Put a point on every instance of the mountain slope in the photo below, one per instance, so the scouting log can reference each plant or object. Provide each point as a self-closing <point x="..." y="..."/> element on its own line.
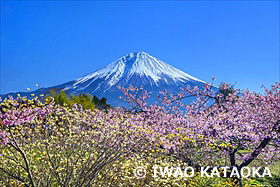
<point x="137" y="69"/>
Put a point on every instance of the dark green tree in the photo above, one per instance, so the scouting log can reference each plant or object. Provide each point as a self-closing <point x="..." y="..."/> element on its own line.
<point x="95" y="100"/>
<point x="103" y="100"/>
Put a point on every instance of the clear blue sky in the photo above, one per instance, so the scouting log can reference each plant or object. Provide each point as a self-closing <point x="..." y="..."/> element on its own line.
<point x="54" y="42"/>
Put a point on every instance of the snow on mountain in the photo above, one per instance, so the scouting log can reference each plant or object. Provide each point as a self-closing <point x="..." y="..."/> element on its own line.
<point x="141" y="64"/>
<point x="137" y="69"/>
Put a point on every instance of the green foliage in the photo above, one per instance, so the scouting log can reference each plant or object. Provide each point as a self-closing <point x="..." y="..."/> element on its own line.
<point x="225" y="90"/>
<point x="273" y="181"/>
<point x="103" y="100"/>
<point x="100" y="104"/>
<point x="85" y="100"/>
<point x="61" y="98"/>
<point x="95" y="100"/>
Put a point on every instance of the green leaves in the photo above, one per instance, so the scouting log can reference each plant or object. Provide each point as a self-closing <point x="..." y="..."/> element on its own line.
<point x="62" y="99"/>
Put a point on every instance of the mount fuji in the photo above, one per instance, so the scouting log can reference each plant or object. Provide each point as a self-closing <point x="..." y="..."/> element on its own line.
<point x="136" y="69"/>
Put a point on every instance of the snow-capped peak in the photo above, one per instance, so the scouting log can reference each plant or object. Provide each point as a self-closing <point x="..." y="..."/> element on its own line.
<point x="141" y="64"/>
<point x="137" y="69"/>
<point x="148" y="65"/>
